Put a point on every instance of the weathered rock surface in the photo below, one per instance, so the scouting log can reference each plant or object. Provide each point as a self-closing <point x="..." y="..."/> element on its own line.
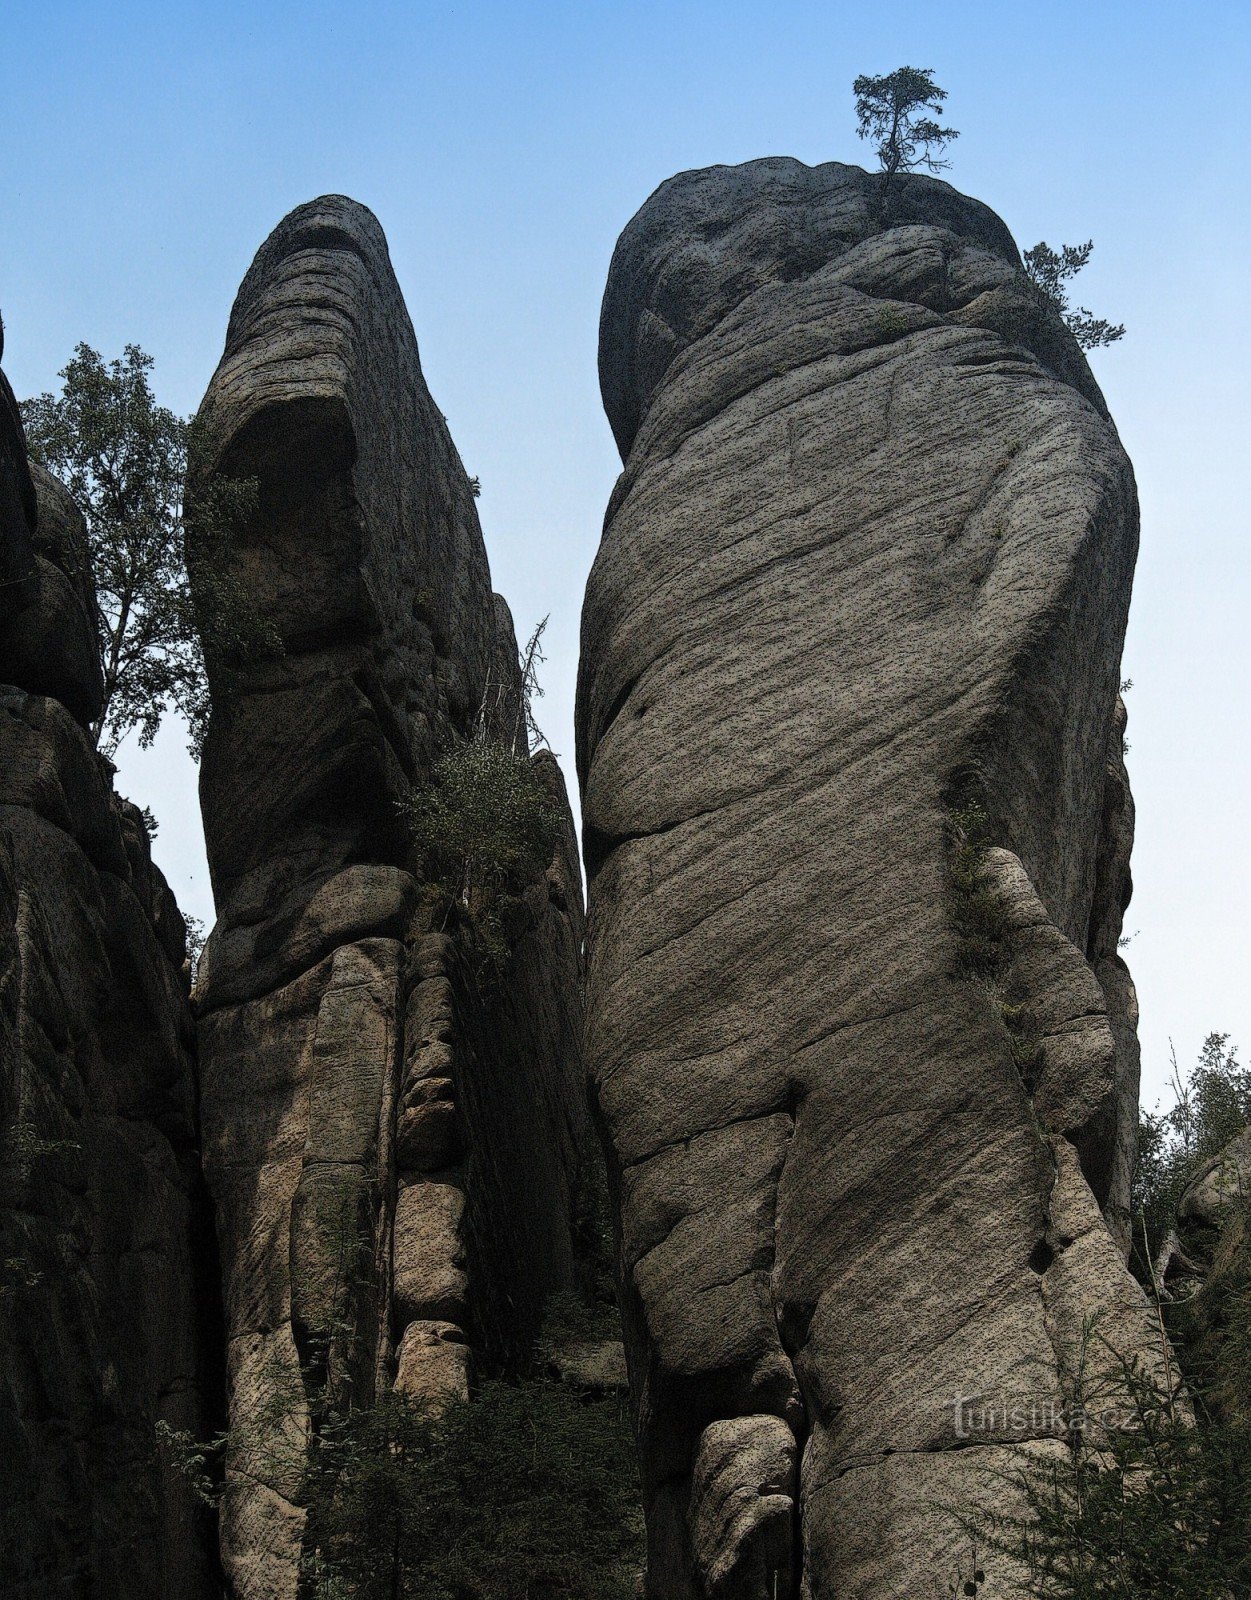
<point x="857" y="835"/>
<point x="62" y="609"/>
<point x="393" y="1143"/>
<point x="102" y="1320"/>
<point x="1221" y="1184"/>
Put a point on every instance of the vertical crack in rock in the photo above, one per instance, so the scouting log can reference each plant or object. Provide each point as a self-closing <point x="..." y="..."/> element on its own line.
<point x="869" y="555"/>
<point x="393" y="1135"/>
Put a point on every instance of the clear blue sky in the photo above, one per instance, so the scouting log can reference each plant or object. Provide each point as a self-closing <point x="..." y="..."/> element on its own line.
<point x="148" y="149"/>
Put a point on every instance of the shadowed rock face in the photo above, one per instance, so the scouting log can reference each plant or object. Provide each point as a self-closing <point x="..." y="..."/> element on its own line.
<point x="102" y="1322"/>
<point x="857" y="835"/>
<point x="392" y="1145"/>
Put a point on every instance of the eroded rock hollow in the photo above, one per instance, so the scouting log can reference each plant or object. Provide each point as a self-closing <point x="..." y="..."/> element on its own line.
<point x="393" y="1141"/>
<point x="857" y="836"/>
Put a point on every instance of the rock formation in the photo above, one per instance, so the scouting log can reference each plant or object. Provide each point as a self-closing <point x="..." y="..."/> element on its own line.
<point x="857" y="835"/>
<point x="392" y="1137"/>
<point x="1220" y="1185"/>
<point x="1204" y="1266"/>
<point x="102" y="1318"/>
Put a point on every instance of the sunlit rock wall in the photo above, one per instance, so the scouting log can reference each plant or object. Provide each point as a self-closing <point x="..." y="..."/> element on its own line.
<point x="857" y="836"/>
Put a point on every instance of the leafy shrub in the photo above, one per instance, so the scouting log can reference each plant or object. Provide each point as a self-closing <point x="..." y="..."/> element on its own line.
<point x="485" y="819"/>
<point x="1155" y="1504"/>
<point x="1211" y="1104"/>
<point x="569" y="1319"/>
<point x="527" y="1490"/>
<point x="524" y="1491"/>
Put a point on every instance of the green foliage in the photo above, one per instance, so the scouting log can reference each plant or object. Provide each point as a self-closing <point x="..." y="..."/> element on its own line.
<point x="1152" y="1495"/>
<point x="976" y="909"/>
<point x="569" y="1319"/>
<point x="1049" y="270"/>
<point x="488" y="829"/>
<point x="17" y="1275"/>
<point x="195" y="944"/>
<point x="1142" y="1502"/>
<point x="485" y="819"/>
<point x="892" y="324"/>
<point x="196" y="1461"/>
<point x="1211" y="1104"/>
<point x="21" y="1148"/>
<point x="125" y="459"/>
<point x="526" y="1490"/>
<point x="887" y="110"/>
<point x="1213" y="1326"/>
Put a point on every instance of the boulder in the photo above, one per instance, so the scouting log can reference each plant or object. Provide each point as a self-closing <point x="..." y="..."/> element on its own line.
<point x="856" y="837"/>
<point x="1220" y="1184"/>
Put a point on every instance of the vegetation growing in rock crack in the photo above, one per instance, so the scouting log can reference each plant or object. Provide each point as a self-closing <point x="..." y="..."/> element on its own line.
<point x="1049" y="271"/>
<point x="526" y="1490"/>
<point x="888" y="112"/>
<point x="133" y="468"/>
<point x="1152" y="1493"/>
<point x="485" y="819"/>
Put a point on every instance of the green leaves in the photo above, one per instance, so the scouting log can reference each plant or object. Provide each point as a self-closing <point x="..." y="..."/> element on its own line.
<point x="527" y="1490"/>
<point x="1049" y="270"/>
<point x="485" y="817"/>
<point x="488" y="828"/>
<point x="125" y="460"/>
<point x="1142" y="1500"/>
<point x="886" y="110"/>
<point x="1210" y="1105"/>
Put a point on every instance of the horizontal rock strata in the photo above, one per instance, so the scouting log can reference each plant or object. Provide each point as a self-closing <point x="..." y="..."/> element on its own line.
<point x="857" y="834"/>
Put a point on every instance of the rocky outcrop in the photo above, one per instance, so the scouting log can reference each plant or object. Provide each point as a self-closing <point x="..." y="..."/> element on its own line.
<point x="1203" y="1265"/>
<point x="393" y="1129"/>
<point x="857" y="836"/>
<point x="1221" y="1185"/>
<point x="102" y="1318"/>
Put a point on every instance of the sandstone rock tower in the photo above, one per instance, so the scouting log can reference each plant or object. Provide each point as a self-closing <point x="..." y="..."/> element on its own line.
<point x="101" y="1326"/>
<point x="391" y="1144"/>
<point x="857" y="837"/>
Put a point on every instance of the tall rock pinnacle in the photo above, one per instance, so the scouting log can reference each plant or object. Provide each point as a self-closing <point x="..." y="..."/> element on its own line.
<point x="857" y="837"/>
<point x="392" y="1146"/>
<point x="104" y="1271"/>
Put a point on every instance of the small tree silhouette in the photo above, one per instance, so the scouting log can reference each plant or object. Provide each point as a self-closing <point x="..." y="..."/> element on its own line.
<point x="886" y="111"/>
<point x="1049" y="270"/>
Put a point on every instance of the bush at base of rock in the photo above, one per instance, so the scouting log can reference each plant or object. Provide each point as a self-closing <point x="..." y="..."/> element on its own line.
<point x="525" y="1490"/>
